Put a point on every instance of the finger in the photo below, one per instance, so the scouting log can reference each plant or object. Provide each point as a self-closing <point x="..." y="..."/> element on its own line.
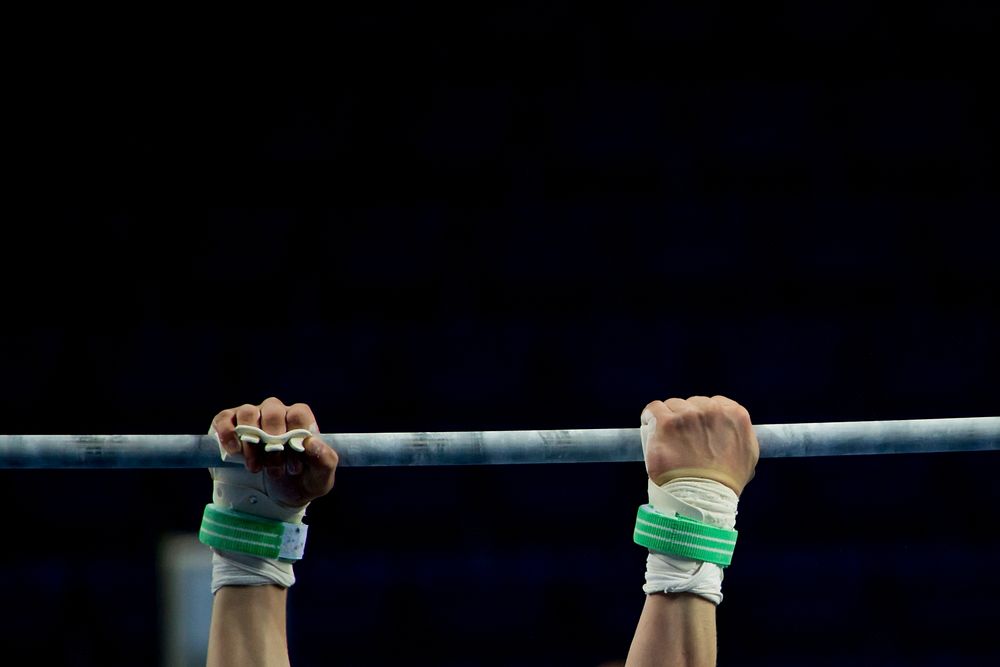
<point x="319" y="456"/>
<point x="320" y="466"/>
<point x="224" y="425"/>
<point x="678" y="405"/>
<point x="274" y="464"/>
<point x="654" y="413"/>
<point x="272" y="420"/>
<point x="272" y="416"/>
<point x="653" y="410"/>
<point x="703" y="404"/>
<point x="732" y="408"/>
<point x="293" y="464"/>
<point x="320" y="453"/>
<point x="741" y="418"/>
<point x="249" y="415"/>
<point x="301" y="415"/>
<point x="725" y="400"/>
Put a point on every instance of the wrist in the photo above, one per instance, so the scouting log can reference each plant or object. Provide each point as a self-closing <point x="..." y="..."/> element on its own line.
<point x="230" y="530"/>
<point x="698" y="498"/>
<point x="664" y="477"/>
<point x="247" y="493"/>
<point x="231" y="568"/>
<point x="688" y="527"/>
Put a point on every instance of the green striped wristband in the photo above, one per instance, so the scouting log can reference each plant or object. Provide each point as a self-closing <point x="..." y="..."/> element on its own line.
<point x="229" y="530"/>
<point x="684" y="537"/>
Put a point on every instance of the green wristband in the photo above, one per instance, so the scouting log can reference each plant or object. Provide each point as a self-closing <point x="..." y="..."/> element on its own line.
<point x="229" y="530"/>
<point x="683" y="537"/>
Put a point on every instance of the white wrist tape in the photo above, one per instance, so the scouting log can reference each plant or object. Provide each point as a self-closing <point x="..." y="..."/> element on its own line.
<point x="703" y="500"/>
<point x="233" y="569"/>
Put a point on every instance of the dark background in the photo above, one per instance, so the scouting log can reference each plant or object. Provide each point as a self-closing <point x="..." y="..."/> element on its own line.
<point x="511" y="217"/>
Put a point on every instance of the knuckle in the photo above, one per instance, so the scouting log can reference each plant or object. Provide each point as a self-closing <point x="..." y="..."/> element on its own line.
<point x="678" y="421"/>
<point x="739" y="414"/>
<point x="222" y="421"/>
<point x="299" y="411"/>
<point x="271" y="410"/>
<point x="656" y="409"/>
<point x="246" y="411"/>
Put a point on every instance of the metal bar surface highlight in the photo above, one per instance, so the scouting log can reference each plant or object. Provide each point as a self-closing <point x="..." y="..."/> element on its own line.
<point x="915" y="436"/>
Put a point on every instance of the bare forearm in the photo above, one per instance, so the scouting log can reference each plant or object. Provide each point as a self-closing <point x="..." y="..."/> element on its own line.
<point x="248" y="627"/>
<point x="676" y="630"/>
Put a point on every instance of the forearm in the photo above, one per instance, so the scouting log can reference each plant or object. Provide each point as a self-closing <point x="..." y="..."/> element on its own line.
<point x="248" y="627"/>
<point x="675" y="630"/>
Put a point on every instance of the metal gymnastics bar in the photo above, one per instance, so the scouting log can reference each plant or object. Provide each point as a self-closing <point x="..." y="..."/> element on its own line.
<point x="917" y="436"/>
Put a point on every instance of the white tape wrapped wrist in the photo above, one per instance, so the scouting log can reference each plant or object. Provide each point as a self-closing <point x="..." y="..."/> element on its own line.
<point x="236" y="488"/>
<point x="703" y="500"/>
<point x="234" y="569"/>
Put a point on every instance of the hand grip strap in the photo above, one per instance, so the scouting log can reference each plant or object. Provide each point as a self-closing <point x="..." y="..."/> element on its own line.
<point x="230" y="530"/>
<point x="683" y="537"/>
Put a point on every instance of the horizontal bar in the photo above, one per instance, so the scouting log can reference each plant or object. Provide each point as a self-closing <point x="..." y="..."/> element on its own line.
<point x="915" y="436"/>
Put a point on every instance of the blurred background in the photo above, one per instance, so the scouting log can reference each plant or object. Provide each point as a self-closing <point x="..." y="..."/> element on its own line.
<point x="509" y="217"/>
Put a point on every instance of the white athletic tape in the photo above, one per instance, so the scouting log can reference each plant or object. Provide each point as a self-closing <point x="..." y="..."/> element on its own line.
<point x="703" y="500"/>
<point x="696" y="498"/>
<point x="233" y="569"/>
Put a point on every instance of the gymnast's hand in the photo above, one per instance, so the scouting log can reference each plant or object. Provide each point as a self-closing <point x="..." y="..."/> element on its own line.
<point x="699" y="437"/>
<point x="293" y="478"/>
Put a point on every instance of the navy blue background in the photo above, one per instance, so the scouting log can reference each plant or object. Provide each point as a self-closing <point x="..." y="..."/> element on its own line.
<point x="501" y="218"/>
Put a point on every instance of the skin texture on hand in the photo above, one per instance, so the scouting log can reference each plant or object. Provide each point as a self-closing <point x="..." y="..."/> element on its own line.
<point x="701" y="437"/>
<point x="294" y="478"/>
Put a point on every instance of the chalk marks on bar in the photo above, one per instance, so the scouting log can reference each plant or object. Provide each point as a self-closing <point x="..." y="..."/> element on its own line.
<point x="504" y="447"/>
